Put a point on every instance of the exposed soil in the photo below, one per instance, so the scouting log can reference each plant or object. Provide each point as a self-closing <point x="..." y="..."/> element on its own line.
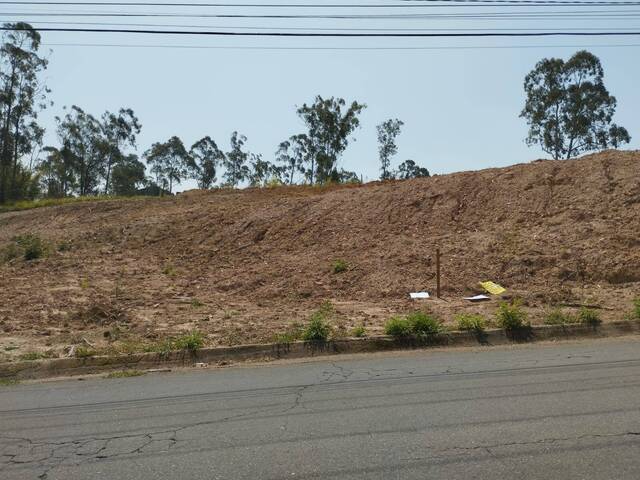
<point x="242" y="265"/>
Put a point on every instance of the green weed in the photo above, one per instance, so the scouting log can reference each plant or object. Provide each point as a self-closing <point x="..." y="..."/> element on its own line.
<point x="191" y="341"/>
<point x="511" y="317"/>
<point x="588" y="316"/>
<point x="318" y="329"/>
<point x="471" y="322"/>
<point x="558" y="317"/>
<point x="636" y="308"/>
<point x="169" y="270"/>
<point x="340" y="266"/>
<point x="359" y="331"/>
<point x="84" y="352"/>
<point x="398" y="327"/>
<point x="6" y="382"/>
<point x="423" y="324"/>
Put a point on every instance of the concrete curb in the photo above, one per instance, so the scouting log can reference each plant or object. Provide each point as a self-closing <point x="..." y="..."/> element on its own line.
<point x="145" y="361"/>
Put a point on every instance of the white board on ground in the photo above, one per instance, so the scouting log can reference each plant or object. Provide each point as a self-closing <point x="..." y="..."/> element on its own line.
<point x="419" y="295"/>
<point x="477" y="298"/>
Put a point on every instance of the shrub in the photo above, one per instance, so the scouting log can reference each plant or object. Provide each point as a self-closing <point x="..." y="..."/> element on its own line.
<point x="191" y="341"/>
<point x="588" y="316"/>
<point x="195" y="303"/>
<point x="340" y="266"/>
<point x="32" y="356"/>
<point x="398" y="327"/>
<point x="359" y="331"/>
<point x="293" y="333"/>
<point x="32" y="246"/>
<point x="471" y="322"/>
<point x="318" y="329"/>
<point x="510" y="316"/>
<point x="422" y="324"/>
<point x="558" y="317"/>
<point x="636" y="308"/>
<point x="169" y="271"/>
<point x="84" y="352"/>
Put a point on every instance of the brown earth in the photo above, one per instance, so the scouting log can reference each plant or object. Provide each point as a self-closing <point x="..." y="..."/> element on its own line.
<point x="242" y="265"/>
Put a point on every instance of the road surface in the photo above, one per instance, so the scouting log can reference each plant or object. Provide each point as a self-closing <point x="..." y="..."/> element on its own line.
<point x="562" y="411"/>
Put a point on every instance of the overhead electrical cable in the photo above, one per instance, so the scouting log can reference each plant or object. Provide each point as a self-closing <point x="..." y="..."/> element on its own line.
<point x="405" y="4"/>
<point x="455" y="15"/>
<point x="407" y="48"/>
<point x="330" y="29"/>
<point x="335" y="35"/>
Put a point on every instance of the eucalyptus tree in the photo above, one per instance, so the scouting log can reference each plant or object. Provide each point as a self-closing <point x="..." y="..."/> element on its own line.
<point x="81" y="138"/>
<point x="388" y="131"/>
<point x="235" y="162"/>
<point x="330" y="123"/>
<point x="409" y="169"/>
<point x="128" y="176"/>
<point x="169" y="162"/>
<point x="119" y="131"/>
<point x="205" y="159"/>
<point x="568" y="108"/>
<point x="22" y="96"/>
<point x="292" y="155"/>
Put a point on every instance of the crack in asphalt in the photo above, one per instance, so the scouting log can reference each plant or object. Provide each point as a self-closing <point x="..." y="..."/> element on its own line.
<point x="44" y="455"/>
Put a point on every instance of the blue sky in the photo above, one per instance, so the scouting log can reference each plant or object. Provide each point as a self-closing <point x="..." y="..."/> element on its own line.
<point x="460" y="105"/>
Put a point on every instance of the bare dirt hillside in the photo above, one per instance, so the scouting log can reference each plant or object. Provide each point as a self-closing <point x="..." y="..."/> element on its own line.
<point x="241" y="265"/>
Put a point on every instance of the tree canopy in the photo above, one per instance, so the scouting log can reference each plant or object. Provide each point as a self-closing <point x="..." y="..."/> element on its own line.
<point x="568" y="108"/>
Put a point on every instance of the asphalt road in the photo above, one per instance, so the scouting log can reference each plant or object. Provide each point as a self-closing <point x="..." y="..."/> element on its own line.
<point x="564" y="411"/>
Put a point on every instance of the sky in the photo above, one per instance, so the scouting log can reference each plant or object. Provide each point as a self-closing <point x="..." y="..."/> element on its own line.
<point x="459" y="99"/>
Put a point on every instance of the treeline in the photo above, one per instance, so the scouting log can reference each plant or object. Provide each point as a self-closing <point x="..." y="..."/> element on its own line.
<point x="568" y="110"/>
<point x="96" y="155"/>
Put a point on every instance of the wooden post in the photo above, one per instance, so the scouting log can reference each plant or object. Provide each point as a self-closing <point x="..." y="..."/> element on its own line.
<point x="438" y="272"/>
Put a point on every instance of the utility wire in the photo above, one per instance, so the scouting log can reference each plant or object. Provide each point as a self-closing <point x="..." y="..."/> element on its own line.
<point x="405" y="4"/>
<point x="330" y="29"/>
<point x="334" y="35"/>
<point x="225" y="47"/>
<point x="480" y="15"/>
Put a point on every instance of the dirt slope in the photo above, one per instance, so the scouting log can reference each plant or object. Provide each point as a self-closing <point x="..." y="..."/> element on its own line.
<point x="240" y="265"/>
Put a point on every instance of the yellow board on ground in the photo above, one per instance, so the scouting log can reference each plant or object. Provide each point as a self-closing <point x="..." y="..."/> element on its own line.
<point x="493" y="288"/>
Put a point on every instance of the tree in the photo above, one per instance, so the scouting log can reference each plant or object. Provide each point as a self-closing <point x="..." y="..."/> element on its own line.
<point x="329" y="129"/>
<point x="119" y="131"/>
<point x="205" y="157"/>
<point x="169" y="162"/>
<point x="261" y="171"/>
<point x="292" y="154"/>
<point x="568" y="108"/>
<point x="57" y="173"/>
<point x="236" y="169"/>
<point x="85" y="149"/>
<point x="387" y="133"/>
<point x="128" y="176"/>
<point x="409" y="169"/>
<point x="22" y="96"/>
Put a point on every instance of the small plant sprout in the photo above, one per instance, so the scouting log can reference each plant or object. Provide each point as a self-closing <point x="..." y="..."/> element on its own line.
<point x="359" y="332"/>
<point x="340" y="266"/>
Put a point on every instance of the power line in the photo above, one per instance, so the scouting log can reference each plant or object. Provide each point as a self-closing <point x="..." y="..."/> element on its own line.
<point x="334" y="35"/>
<point x="405" y="4"/>
<point x="480" y="15"/>
<point x="225" y="47"/>
<point x="331" y="29"/>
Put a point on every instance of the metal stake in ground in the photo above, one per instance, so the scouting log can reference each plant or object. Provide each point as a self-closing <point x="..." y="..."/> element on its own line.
<point x="438" y="272"/>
